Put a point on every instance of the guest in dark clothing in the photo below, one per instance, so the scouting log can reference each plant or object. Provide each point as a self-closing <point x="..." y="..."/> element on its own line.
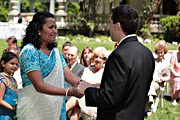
<point x="20" y="18"/>
<point x="72" y="60"/>
<point x="127" y="74"/>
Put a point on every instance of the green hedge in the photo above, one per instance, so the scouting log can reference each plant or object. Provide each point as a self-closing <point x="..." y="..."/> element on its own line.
<point x="171" y="27"/>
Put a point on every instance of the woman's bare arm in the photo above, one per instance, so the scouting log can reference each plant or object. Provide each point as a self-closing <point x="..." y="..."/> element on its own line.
<point x="70" y="77"/>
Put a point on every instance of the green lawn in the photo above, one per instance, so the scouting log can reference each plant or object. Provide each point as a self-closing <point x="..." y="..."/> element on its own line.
<point x="79" y="44"/>
<point x="168" y="112"/>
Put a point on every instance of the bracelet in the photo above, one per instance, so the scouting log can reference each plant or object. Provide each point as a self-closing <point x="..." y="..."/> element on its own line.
<point x="67" y="91"/>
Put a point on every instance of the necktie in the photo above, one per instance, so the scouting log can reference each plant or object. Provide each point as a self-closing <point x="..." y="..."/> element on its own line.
<point x="69" y="66"/>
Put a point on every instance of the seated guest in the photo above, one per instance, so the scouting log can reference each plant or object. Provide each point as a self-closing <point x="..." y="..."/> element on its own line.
<point x="77" y="69"/>
<point x="93" y="75"/>
<point x="86" y="56"/>
<point x="72" y="60"/>
<point x="175" y="76"/>
<point x="161" y="72"/>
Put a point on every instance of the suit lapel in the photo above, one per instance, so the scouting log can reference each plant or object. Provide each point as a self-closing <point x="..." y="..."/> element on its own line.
<point x="75" y="68"/>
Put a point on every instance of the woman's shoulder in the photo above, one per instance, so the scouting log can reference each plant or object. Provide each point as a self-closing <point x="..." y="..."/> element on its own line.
<point x="29" y="48"/>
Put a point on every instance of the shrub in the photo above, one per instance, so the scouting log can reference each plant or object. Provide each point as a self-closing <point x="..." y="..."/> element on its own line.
<point x="171" y="28"/>
<point x="4" y="10"/>
<point x="73" y="7"/>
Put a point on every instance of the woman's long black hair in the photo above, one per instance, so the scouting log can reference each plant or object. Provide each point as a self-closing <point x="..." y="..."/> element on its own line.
<point x="32" y="30"/>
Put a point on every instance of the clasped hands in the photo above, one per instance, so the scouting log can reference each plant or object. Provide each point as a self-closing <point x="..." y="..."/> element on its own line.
<point x="81" y="87"/>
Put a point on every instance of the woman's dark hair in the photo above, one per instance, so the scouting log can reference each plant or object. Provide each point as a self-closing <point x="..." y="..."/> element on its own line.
<point x="127" y="16"/>
<point x="82" y="60"/>
<point x="32" y="30"/>
<point x="6" y="57"/>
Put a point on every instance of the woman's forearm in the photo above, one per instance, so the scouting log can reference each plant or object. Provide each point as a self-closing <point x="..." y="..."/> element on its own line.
<point x="70" y="77"/>
<point x="43" y="87"/>
<point x="174" y="72"/>
<point x="49" y="89"/>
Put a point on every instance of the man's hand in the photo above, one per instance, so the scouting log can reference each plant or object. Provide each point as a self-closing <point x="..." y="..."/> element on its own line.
<point x="82" y="86"/>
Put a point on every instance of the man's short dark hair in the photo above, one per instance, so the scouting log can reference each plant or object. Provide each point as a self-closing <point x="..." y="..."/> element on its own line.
<point x="127" y="16"/>
<point x="67" y="43"/>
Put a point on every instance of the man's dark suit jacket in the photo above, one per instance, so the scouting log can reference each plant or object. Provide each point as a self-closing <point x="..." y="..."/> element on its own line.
<point x="125" y="83"/>
<point x="78" y="70"/>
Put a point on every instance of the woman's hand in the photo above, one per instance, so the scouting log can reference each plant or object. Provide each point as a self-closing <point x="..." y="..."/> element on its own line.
<point x="13" y="108"/>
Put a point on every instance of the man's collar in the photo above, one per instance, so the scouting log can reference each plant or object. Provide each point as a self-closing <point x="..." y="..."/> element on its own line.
<point x="131" y="35"/>
<point x="72" y="65"/>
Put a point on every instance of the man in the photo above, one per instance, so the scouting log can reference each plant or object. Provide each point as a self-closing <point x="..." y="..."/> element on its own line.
<point x="72" y="59"/>
<point x="77" y="69"/>
<point x="127" y="75"/>
<point x="65" y="49"/>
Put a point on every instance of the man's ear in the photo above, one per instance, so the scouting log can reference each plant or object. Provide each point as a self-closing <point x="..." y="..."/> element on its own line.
<point x="118" y="26"/>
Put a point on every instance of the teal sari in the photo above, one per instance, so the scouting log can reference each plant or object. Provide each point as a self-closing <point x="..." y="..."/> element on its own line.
<point x="51" y="68"/>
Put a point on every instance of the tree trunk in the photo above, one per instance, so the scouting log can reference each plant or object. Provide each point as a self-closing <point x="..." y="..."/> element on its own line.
<point x="155" y="7"/>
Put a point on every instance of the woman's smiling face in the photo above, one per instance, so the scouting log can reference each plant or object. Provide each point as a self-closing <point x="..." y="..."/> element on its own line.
<point x="49" y="31"/>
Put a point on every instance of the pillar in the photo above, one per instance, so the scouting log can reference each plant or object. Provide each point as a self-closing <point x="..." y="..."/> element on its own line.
<point x="61" y="14"/>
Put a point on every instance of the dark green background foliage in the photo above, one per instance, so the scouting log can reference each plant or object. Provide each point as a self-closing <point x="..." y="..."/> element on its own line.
<point x="171" y="27"/>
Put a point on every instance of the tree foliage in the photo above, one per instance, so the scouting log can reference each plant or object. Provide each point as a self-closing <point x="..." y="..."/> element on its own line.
<point x="37" y="6"/>
<point x="73" y="8"/>
<point x="171" y="27"/>
<point x="4" y="4"/>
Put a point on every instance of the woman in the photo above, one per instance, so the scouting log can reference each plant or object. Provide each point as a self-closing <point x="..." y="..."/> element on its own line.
<point x="161" y="73"/>
<point x="43" y="70"/>
<point x="175" y="76"/>
<point x="93" y="75"/>
<point x="86" y="56"/>
<point x="12" y="43"/>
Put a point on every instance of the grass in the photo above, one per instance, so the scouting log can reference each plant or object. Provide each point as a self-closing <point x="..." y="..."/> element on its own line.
<point x="168" y="112"/>
<point x="79" y="44"/>
<point x="93" y="44"/>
